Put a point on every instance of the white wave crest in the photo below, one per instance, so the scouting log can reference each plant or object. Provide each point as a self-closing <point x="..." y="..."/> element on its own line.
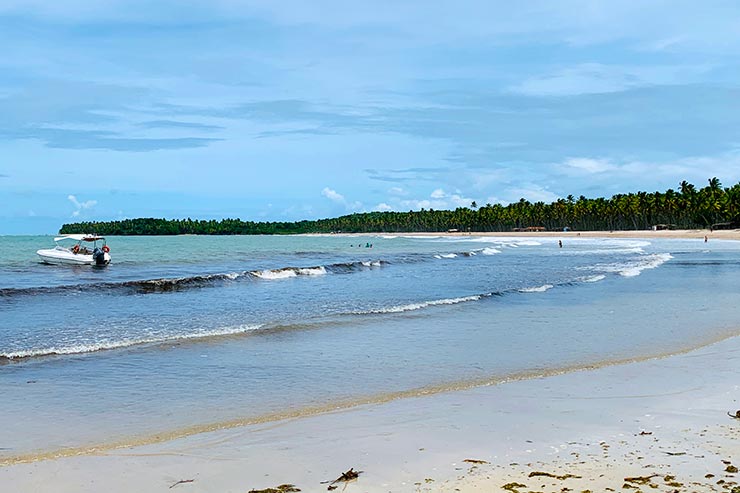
<point x="424" y="304"/>
<point x="596" y="278"/>
<point x="446" y="255"/>
<point x="490" y="251"/>
<point x="275" y="274"/>
<point x="288" y="272"/>
<point x="538" y="289"/>
<point x="312" y="271"/>
<point x="632" y="269"/>
<point x="375" y="263"/>
<point x="124" y="343"/>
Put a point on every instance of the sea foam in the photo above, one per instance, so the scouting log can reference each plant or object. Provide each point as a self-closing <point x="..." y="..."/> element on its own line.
<point x="635" y="268"/>
<point x="287" y="272"/>
<point x="420" y="305"/>
<point x="538" y="289"/>
<point x="82" y="348"/>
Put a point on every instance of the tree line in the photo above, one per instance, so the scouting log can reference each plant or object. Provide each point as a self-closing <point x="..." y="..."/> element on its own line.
<point x="686" y="208"/>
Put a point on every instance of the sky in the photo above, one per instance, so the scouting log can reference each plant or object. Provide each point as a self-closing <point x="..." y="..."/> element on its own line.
<point x="290" y="110"/>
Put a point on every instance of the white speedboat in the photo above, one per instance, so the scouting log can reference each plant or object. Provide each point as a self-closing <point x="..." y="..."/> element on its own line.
<point x="86" y="250"/>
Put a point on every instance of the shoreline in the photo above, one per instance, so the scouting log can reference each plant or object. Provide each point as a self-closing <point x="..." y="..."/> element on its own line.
<point x="169" y="435"/>
<point x="663" y="416"/>
<point x="699" y="234"/>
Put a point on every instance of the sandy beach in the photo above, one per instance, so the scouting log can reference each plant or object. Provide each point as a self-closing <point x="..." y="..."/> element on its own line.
<point x="653" y="424"/>
<point x="725" y="234"/>
<point x="656" y="425"/>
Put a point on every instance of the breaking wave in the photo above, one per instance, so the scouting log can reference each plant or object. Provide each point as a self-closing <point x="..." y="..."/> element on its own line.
<point x="422" y="304"/>
<point x="538" y="289"/>
<point x="73" y="348"/>
<point x="125" y="343"/>
<point x="287" y="272"/>
<point x="596" y="278"/>
<point x="167" y="284"/>
<point x="636" y="267"/>
<point x="489" y="251"/>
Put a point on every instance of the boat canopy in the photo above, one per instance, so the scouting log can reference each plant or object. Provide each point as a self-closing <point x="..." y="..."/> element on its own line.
<point x="79" y="237"/>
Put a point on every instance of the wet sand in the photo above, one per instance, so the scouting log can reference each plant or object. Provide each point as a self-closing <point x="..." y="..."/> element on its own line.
<point x="657" y="425"/>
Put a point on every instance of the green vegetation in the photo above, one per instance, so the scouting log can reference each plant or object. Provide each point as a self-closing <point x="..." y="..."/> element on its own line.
<point x="687" y="207"/>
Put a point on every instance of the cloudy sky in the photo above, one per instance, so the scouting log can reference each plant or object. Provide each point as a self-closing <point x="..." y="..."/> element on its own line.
<point x="288" y="110"/>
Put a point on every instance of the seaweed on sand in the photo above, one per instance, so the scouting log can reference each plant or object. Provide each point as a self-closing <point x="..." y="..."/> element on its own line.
<point x="513" y="486"/>
<point x="640" y="479"/>
<point x="283" y="488"/>
<point x="551" y="475"/>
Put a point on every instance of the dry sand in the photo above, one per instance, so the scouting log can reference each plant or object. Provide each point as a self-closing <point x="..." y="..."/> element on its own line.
<point x="663" y="422"/>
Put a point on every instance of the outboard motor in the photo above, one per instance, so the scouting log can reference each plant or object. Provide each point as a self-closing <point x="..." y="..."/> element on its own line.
<point x="99" y="257"/>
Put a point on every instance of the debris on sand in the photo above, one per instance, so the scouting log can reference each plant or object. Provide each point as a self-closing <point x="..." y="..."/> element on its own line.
<point x="346" y="477"/>
<point x="182" y="481"/>
<point x="283" y="488"/>
<point x="513" y="487"/>
<point x="640" y="479"/>
<point x="476" y="461"/>
<point x="550" y="475"/>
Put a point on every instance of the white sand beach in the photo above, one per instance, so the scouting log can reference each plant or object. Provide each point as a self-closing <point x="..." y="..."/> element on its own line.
<point x="656" y="425"/>
<point x="724" y="234"/>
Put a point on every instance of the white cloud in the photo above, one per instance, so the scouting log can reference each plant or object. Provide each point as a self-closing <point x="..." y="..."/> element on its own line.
<point x="397" y="191"/>
<point x="440" y="200"/>
<point x="340" y="199"/>
<point x="662" y="173"/>
<point x="438" y="194"/>
<point x="383" y="207"/>
<point x="588" y="165"/>
<point x="81" y="206"/>
<point x="333" y="195"/>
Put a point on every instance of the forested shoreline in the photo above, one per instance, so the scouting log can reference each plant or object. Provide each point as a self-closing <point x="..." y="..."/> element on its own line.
<point x="687" y="207"/>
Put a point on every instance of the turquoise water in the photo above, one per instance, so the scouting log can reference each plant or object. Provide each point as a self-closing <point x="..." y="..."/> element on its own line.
<point x="191" y="331"/>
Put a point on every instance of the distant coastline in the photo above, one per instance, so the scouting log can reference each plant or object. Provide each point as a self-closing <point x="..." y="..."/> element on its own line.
<point x="726" y="234"/>
<point x="713" y="207"/>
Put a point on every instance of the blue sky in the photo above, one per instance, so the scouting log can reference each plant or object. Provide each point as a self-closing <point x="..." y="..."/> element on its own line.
<point x="290" y="110"/>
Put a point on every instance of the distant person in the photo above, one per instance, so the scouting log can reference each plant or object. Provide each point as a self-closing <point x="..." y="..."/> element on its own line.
<point x="705" y="238"/>
<point x="560" y="243"/>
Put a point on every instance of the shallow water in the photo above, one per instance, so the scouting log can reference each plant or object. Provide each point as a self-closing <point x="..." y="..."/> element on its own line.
<point x="190" y="332"/>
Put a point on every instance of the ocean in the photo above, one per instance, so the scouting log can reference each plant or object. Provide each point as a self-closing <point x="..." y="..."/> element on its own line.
<point x="185" y="334"/>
